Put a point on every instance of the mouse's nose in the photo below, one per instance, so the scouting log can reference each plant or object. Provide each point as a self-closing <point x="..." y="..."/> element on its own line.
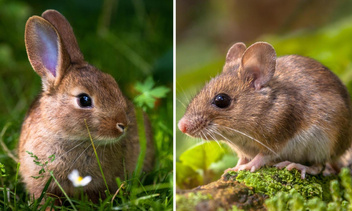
<point x="182" y="125"/>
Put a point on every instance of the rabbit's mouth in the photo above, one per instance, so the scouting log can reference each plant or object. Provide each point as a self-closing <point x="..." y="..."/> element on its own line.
<point x="105" y="140"/>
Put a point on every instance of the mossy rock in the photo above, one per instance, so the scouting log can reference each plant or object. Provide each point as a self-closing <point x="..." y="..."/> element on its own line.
<point x="280" y="188"/>
<point x="220" y="194"/>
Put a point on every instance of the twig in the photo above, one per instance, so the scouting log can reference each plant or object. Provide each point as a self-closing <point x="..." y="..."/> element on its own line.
<point x="3" y="145"/>
<point x="118" y="190"/>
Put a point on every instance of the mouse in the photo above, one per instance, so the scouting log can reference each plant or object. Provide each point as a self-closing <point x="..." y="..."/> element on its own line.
<point x="289" y="112"/>
<point x="78" y="105"/>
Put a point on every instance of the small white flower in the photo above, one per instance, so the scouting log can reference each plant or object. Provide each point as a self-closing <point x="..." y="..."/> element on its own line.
<point x="77" y="180"/>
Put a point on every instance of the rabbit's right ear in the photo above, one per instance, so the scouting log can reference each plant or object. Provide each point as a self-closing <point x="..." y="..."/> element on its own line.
<point x="45" y="51"/>
<point x="66" y="33"/>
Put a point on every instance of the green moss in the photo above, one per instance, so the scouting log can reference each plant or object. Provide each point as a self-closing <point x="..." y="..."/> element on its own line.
<point x="189" y="202"/>
<point x="340" y="197"/>
<point x="271" y="189"/>
<point x="271" y="180"/>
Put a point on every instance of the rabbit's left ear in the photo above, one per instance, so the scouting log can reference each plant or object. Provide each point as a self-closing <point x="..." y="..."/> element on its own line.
<point x="46" y="53"/>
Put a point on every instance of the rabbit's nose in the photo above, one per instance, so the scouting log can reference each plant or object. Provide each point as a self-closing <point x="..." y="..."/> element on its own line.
<point x="121" y="127"/>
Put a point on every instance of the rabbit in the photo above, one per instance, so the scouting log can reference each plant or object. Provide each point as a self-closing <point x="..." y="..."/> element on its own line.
<point x="75" y="96"/>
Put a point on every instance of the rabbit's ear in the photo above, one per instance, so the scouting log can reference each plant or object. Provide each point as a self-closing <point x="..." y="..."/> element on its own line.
<point x="66" y="33"/>
<point x="45" y="51"/>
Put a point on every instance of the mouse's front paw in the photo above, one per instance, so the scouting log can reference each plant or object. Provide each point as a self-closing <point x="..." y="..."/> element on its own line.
<point x="252" y="167"/>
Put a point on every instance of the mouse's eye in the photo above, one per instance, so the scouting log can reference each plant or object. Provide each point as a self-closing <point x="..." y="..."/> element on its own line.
<point x="84" y="100"/>
<point x="222" y="101"/>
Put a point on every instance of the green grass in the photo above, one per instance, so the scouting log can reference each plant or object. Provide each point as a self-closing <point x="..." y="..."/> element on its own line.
<point x="130" y="40"/>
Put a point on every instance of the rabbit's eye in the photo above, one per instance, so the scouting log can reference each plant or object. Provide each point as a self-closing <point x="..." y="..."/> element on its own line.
<point x="84" y="101"/>
<point x="222" y="101"/>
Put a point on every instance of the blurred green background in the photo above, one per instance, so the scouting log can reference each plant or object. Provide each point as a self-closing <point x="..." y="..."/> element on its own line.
<point x="205" y="30"/>
<point x="128" y="39"/>
<point x="131" y="40"/>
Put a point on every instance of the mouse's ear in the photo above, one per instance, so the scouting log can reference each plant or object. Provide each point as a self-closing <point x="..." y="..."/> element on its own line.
<point x="45" y="51"/>
<point x="258" y="64"/>
<point x="233" y="57"/>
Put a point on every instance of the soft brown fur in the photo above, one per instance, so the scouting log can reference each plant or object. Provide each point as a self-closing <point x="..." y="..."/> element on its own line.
<point x="55" y="124"/>
<point x="294" y="105"/>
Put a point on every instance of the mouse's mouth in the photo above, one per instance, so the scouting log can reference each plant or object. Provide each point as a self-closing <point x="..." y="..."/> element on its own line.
<point x="207" y="131"/>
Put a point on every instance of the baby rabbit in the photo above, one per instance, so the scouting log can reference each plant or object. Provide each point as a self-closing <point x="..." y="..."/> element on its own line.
<point x="290" y="111"/>
<point x="75" y="95"/>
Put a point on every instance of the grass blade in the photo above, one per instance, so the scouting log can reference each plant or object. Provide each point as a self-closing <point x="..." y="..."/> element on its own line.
<point x="142" y="141"/>
<point x="37" y="201"/>
<point x="16" y="181"/>
<point x="63" y="191"/>
<point x="96" y="155"/>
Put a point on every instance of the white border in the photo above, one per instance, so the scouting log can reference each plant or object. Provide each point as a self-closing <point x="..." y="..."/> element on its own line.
<point x="174" y="105"/>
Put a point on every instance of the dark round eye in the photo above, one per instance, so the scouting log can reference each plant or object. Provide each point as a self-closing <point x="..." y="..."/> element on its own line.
<point x="84" y="101"/>
<point x="222" y="101"/>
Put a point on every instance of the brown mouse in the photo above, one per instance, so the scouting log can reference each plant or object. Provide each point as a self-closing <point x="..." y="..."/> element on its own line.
<point x="289" y="111"/>
<point x="75" y="95"/>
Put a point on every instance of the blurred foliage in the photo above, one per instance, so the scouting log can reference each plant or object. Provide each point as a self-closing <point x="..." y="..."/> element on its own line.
<point x="203" y="163"/>
<point x="128" y="39"/>
<point x="149" y="94"/>
<point x="131" y="40"/>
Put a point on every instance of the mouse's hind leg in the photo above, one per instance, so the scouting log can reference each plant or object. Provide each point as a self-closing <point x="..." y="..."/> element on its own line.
<point x="313" y="170"/>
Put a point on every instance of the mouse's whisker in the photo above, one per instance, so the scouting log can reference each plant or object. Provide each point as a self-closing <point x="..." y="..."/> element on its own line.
<point x="256" y="140"/>
<point x="210" y="133"/>
<point x="218" y="133"/>
<point x="227" y="140"/>
<point x="181" y="103"/>
<point x="199" y="137"/>
<point x="204" y="135"/>
<point x="178" y="87"/>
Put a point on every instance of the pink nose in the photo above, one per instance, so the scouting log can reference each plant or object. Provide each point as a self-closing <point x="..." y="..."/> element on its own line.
<point x="182" y="125"/>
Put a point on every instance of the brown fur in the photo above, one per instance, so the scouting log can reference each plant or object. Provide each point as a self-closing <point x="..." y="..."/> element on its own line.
<point x="292" y="104"/>
<point x="55" y="124"/>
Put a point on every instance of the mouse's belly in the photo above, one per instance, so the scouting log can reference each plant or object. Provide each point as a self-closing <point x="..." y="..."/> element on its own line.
<point x="310" y="146"/>
<point x="307" y="147"/>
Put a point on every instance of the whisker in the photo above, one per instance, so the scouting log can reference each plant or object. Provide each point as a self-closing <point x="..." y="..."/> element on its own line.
<point x="69" y="150"/>
<point x="209" y="132"/>
<point x="181" y="102"/>
<point x="80" y="155"/>
<point x="237" y="131"/>
<point x="183" y="91"/>
<point x="96" y="148"/>
<point x="205" y="136"/>
<point x="226" y="139"/>
<point x="216" y="130"/>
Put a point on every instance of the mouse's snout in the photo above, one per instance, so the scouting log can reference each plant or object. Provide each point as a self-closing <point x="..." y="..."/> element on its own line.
<point x="182" y="125"/>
